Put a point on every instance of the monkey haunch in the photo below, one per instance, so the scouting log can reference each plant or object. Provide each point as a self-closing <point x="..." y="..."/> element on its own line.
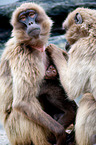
<point x="22" y="70"/>
<point x="78" y="74"/>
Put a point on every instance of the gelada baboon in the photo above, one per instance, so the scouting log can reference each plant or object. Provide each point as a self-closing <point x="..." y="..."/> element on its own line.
<point x="55" y="102"/>
<point x="22" y="70"/>
<point x="78" y="74"/>
<point x="52" y="94"/>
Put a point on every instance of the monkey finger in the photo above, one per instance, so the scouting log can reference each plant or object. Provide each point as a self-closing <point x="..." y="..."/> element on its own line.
<point x="56" y="52"/>
<point x="52" y="48"/>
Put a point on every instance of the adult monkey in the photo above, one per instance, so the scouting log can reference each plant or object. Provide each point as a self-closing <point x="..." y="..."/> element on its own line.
<point x="78" y="74"/>
<point x="22" y="70"/>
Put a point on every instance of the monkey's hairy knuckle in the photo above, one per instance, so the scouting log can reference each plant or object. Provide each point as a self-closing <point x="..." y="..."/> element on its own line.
<point x="64" y="53"/>
<point x="55" y="52"/>
<point x="51" y="48"/>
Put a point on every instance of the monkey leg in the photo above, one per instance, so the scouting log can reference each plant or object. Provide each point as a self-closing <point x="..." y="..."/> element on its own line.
<point x="86" y="120"/>
<point x="21" y="131"/>
<point x="67" y="118"/>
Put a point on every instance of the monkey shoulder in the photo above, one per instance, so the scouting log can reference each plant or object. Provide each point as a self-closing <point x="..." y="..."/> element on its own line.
<point x="81" y="48"/>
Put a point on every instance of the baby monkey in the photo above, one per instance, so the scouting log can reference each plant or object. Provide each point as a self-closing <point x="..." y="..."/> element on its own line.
<point x="55" y="102"/>
<point x="51" y="72"/>
<point x="64" y="110"/>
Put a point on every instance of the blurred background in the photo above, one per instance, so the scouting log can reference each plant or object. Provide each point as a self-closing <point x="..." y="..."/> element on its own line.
<point x="57" y="10"/>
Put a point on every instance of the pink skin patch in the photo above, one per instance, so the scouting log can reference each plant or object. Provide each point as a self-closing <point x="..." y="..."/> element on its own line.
<point x="41" y="49"/>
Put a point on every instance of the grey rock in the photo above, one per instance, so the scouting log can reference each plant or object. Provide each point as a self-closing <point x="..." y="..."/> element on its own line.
<point x="56" y="9"/>
<point x="59" y="41"/>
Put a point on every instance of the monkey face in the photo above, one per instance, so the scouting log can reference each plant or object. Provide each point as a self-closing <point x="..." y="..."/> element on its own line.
<point x="79" y="23"/>
<point x="31" y="25"/>
<point x="28" y="19"/>
<point x="51" y="72"/>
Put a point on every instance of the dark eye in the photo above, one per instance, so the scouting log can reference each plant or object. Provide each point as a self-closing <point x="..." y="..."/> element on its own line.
<point x="31" y="14"/>
<point x="78" y="18"/>
<point x="50" y="67"/>
<point x="22" y="17"/>
<point x="54" y="71"/>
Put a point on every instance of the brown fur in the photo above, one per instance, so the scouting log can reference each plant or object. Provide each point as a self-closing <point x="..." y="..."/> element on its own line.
<point x="53" y="94"/>
<point x="22" y="70"/>
<point x="78" y="74"/>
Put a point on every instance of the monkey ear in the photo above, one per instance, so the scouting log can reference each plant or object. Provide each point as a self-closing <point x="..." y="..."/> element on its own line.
<point x="78" y="18"/>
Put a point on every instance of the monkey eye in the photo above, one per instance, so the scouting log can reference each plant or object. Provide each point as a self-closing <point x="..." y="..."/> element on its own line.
<point x="78" y="18"/>
<point x="54" y="71"/>
<point x="22" y="17"/>
<point x="51" y="67"/>
<point x="32" y="14"/>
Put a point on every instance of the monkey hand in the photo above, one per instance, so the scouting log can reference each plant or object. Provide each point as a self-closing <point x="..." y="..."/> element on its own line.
<point x="53" y="50"/>
<point x="58" y="55"/>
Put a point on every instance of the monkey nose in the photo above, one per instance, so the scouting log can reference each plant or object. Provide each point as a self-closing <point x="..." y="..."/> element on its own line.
<point x="30" y="23"/>
<point x="48" y="71"/>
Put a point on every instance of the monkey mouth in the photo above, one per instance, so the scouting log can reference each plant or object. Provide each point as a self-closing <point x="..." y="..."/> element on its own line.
<point x="34" y="32"/>
<point x="41" y="49"/>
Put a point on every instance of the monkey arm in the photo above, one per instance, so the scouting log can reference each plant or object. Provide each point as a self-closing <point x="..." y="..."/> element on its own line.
<point x="34" y="113"/>
<point x="59" y="58"/>
<point x="70" y="77"/>
<point x="40" y="117"/>
<point x="26" y="103"/>
<point x="5" y="90"/>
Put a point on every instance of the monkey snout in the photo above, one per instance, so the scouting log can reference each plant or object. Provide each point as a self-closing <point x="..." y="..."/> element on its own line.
<point x="33" y="31"/>
<point x="30" y="23"/>
<point x="47" y="72"/>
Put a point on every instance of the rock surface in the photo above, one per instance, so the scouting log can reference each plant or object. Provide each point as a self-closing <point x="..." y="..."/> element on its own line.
<point x="56" y="9"/>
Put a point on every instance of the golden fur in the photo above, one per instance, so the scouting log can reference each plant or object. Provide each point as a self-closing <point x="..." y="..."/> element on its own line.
<point x="86" y="120"/>
<point x="22" y="70"/>
<point x="78" y="74"/>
